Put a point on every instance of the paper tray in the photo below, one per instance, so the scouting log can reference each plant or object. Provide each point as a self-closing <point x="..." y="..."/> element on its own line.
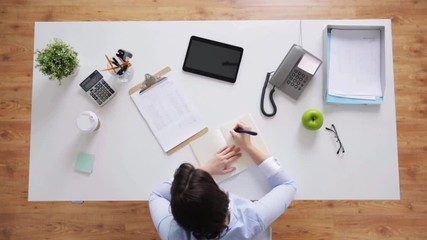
<point x="326" y="59"/>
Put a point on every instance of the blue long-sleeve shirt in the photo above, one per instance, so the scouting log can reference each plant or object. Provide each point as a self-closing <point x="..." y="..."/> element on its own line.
<point x="247" y="218"/>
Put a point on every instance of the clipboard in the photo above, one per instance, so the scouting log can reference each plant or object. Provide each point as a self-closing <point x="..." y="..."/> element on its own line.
<point x="159" y="80"/>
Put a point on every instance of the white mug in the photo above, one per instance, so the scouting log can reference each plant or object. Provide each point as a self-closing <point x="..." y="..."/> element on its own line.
<point x="87" y="121"/>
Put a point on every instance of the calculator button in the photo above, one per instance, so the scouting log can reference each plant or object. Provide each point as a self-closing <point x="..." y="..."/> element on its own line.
<point x="101" y="92"/>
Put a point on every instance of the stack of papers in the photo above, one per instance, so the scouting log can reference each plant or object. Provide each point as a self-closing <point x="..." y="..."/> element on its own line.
<point x="354" y="67"/>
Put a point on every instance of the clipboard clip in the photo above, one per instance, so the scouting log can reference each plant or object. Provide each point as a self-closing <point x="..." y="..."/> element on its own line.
<point x="150" y="80"/>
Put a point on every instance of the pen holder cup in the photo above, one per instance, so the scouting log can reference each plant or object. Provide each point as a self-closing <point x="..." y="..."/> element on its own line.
<point x="124" y="76"/>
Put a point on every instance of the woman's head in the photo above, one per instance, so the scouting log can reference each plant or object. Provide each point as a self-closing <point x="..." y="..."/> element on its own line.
<point x="197" y="203"/>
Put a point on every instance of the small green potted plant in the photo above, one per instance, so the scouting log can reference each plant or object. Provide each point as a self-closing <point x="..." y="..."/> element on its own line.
<point x="57" y="61"/>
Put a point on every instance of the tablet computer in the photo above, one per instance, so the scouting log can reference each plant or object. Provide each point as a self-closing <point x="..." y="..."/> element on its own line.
<point x="213" y="59"/>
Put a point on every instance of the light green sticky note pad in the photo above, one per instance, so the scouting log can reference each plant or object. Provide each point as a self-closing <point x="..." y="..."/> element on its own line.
<point x="84" y="163"/>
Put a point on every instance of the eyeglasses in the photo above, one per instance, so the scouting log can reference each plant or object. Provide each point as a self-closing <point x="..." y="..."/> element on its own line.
<point x="334" y="130"/>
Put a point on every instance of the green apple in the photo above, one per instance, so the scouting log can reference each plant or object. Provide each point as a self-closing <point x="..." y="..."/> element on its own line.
<point x="312" y="119"/>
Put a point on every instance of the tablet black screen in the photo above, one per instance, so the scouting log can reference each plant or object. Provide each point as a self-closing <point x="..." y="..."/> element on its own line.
<point x="213" y="59"/>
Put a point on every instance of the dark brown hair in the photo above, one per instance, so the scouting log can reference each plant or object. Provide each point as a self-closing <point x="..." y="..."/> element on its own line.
<point x="198" y="204"/>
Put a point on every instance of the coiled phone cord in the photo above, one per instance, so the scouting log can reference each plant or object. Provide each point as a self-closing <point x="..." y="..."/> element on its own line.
<point x="273" y="104"/>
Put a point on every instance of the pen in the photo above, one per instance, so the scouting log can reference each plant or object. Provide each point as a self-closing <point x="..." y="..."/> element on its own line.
<point x="115" y="62"/>
<point x="240" y="130"/>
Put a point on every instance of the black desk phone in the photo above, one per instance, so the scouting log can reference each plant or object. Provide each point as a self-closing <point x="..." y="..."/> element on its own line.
<point x="292" y="76"/>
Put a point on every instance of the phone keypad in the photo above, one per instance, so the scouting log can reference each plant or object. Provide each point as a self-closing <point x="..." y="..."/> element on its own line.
<point x="297" y="79"/>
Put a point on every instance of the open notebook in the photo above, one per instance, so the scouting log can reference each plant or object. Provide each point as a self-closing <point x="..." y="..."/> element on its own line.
<point x="205" y="146"/>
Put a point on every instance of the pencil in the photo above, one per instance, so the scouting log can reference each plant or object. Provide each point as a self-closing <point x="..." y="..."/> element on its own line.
<point x="111" y="64"/>
<point x="108" y="69"/>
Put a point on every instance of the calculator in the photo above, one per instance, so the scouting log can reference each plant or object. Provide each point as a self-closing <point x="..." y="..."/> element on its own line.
<point x="97" y="88"/>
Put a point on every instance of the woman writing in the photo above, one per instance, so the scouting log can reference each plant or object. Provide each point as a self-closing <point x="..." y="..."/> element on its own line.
<point x="192" y="206"/>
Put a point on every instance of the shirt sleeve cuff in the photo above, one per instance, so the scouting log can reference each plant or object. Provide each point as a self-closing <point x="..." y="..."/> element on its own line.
<point x="269" y="167"/>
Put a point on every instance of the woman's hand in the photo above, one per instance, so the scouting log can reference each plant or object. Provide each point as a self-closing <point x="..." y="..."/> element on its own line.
<point x="243" y="140"/>
<point x="220" y="162"/>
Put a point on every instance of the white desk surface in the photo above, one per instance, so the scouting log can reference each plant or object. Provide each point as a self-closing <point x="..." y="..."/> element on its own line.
<point x="130" y="163"/>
